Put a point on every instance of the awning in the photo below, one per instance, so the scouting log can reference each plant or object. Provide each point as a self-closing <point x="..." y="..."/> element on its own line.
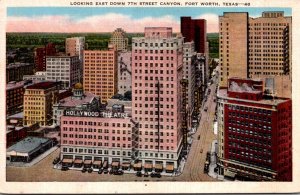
<point x="170" y="168"/>
<point x="67" y="160"/>
<point x="87" y="162"/>
<point x="159" y="166"/>
<point x="97" y="162"/>
<point x="115" y="164"/>
<point x="137" y="165"/>
<point x="229" y="173"/>
<point x="148" y="166"/>
<point x="78" y="161"/>
<point x="125" y="164"/>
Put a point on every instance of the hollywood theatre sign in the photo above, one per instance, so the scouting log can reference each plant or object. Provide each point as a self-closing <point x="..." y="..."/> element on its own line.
<point x="106" y="114"/>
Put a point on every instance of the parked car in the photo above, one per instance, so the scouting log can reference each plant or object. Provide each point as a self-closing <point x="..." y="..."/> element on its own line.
<point x="56" y="160"/>
<point x="105" y="171"/>
<point x="64" y="168"/>
<point x="205" y="109"/>
<point x="155" y="174"/>
<point x="146" y="174"/>
<point x="90" y="170"/>
<point x="138" y="174"/>
<point x="100" y="171"/>
<point x="83" y="170"/>
<point x="118" y="172"/>
<point x="198" y="137"/>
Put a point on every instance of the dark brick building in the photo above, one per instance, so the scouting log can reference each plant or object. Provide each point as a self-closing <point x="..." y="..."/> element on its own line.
<point x="40" y="54"/>
<point x="255" y="132"/>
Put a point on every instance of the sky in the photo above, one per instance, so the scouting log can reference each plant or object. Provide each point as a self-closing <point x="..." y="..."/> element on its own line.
<point x="107" y="19"/>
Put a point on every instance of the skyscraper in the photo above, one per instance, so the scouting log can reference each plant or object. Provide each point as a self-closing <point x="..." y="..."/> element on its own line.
<point x="40" y="54"/>
<point x="100" y="72"/>
<point x="194" y="30"/>
<point x="119" y="39"/>
<point x="156" y="96"/>
<point x="75" y="46"/>
<point x="257" y="48"/>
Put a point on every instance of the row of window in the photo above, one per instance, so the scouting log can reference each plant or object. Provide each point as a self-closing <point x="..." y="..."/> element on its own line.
<point x="97" y="123"/>
<point x="247" y="109"/>
<point x="99" y="144"/>
<point x="94" y="151"/>
<point x="252" y="140"/>
<point x="151" y="65"/>
<point x="99" y="137"/>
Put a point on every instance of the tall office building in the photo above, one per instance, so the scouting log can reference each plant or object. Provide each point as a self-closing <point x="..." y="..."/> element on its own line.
<point x="119" y="39"/>
<point x="75" y="46"/>
<point x="257" y="48"/>
<point x="254" y="132"/>
<point x="194" y="30"/>
<point x="40" y="54"/>
<point x="38" y="101"/>
<point x="189" y="73"/>
<point x="101" y="72"/>
<point x="63" y="68"/>
<point x="156" y="96"/>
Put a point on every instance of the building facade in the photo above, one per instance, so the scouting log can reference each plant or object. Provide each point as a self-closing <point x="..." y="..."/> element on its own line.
<point x="256" y="48"/>
<point x="124" y="72"/>
<point x="16" y="71"/>
<point x="78" y="100"/>
<point x="101" y="72"/>
<point x="37" y="77"/>
<point x="38" y="101"/>
<point x="75" y="46"/>
<point x="40" y="54"/>
<point x="189" y="73"/>
<point x="119" y="39"/>
<point x="87" y="137"/>
<point x="194" y="30"/>
<point x="14" y="97"/>
<point x="254" y="132"/>
<point x="63" y="68"/>
<point x="156" y="95"/>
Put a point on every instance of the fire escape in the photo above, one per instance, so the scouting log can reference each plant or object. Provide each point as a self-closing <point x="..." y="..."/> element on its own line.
<point x="184" y="127"/>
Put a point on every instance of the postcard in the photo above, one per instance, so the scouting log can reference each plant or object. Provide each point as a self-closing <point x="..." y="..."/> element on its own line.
<point x="157" y="96"/>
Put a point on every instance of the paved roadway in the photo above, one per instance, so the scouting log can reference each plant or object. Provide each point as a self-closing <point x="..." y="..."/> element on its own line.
<point x="193" y="171"/>
<point x="194" y="168"/>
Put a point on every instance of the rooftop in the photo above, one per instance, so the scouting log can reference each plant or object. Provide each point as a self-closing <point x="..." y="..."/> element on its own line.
<point x="17" y="115"/>
<point x="13" y="85"/>
<point x="18" y="64"/>
<point x="27" y="144"/>
<point x="72" y="102"/>
<point x="222" y="93"/>
<point x="43" y="85"/>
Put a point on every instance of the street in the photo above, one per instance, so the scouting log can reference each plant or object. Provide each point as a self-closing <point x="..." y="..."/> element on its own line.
<point x="193" y="170"/>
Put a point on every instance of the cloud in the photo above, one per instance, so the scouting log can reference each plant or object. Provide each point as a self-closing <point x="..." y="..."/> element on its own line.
<point x="99" y="23"/>
<point x="212" y="22"/>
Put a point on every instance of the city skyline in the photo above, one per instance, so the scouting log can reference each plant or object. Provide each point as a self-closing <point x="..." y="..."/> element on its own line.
<point x="72" y="20"/>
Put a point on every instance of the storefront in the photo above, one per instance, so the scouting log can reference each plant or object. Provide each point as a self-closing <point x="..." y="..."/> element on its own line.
<point x="115" y="165"/>
<point x="67" y="162"/>
<point x="137" y="166"/>
<point x="97" y="164"/>
<point x="170" y="168"/>
<point x="148" y="166"/>
<point x="158" y="167"/>
<point x="126" y="166"/>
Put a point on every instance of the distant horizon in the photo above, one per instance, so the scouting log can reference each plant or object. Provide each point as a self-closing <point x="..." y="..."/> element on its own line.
<point x="102" y="20"/>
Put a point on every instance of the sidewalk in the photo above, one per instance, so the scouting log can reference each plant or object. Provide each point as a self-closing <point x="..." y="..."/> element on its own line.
<point x="34" y="161"/>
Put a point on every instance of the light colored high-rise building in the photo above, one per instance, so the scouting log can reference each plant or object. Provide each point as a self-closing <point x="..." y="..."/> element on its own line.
<point x="119" y="39"/>
<point x="156" y="96"/>
<point x="233" y="46"/>
<point x="64" y="69"/>
<point x="257" y="48"/>
<point x="189" y="73"/>
<point x="124" y="72"/>
<point x="100" y="72"/>
<point x="38" y="101"/>
<point x="75" y="46"/>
